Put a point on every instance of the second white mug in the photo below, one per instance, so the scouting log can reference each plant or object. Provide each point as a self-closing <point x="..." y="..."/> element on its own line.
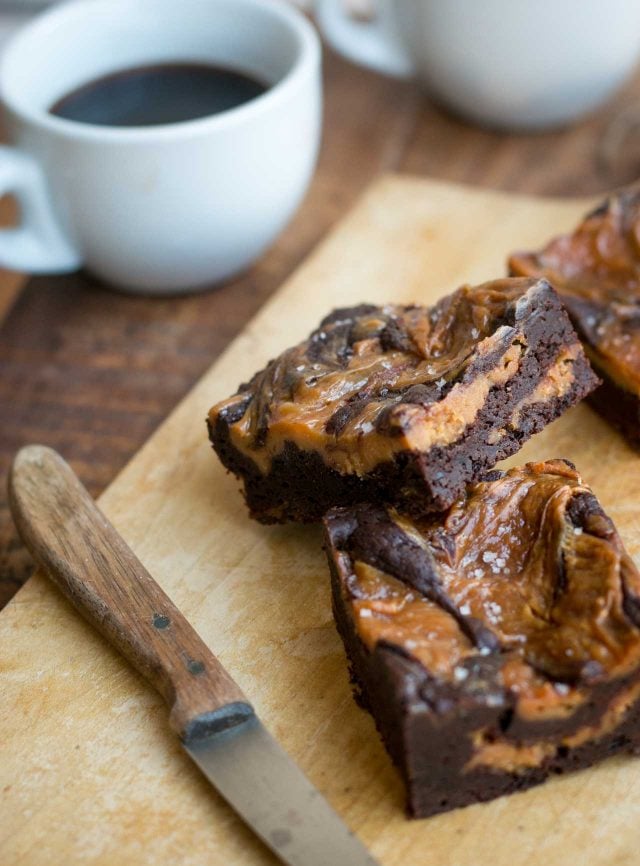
<point x="515" y="64"/>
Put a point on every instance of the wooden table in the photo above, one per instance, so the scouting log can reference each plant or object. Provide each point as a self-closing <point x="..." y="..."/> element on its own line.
<point x="92" y="372"/>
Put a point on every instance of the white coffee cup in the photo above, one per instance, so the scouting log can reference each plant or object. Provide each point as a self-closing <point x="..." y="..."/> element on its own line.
<point x="517" y="64"/>
<point x="158" y="208"/>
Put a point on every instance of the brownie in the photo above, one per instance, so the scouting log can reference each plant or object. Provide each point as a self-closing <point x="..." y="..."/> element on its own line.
<point x="596" y="270"/>
<point x="404" y="404"/>
<point x="495" y="644"/>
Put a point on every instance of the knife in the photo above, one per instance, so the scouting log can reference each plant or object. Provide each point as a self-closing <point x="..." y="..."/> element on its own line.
<point x="83" y="554"/>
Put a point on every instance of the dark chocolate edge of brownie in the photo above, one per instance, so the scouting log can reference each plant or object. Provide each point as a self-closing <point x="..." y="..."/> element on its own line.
<point x="618" y="406"/>
<point x="473" y="458"/>
<point x="316" y="487"/>
<point x="301" y="487"/>
<point x="384" y="684"/>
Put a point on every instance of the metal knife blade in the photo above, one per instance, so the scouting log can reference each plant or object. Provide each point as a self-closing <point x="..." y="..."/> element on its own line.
<point x="91" y="564"/>
<point x="257" y="777"/>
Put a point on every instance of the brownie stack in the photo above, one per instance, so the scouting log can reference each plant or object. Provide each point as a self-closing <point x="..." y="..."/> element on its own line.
<point x="491" y="619"/>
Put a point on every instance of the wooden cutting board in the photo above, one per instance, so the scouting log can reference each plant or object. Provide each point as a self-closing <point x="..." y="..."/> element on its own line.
<point x="89" y="772"/>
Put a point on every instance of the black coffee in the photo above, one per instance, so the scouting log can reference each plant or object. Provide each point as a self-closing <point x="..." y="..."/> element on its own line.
<point x="152" y="95"/>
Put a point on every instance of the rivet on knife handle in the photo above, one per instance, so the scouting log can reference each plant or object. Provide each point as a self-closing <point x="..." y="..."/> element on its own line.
<point x="100" y="575"/>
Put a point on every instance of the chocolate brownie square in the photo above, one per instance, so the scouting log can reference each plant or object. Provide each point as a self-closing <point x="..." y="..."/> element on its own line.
<point x="494" y="644"/>
<point x="596" y="270"/>
<point x="404" y="404"/>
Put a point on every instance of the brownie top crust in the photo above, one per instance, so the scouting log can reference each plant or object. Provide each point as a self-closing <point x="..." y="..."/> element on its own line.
<point x="596" y="270"/>
<point x="524" y="578"/>
<point x="372" y="382"/>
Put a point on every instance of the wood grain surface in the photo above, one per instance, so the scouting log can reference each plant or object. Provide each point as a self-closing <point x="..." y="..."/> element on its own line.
<point x="90" y="771"/>
<point x="92" y="372"/>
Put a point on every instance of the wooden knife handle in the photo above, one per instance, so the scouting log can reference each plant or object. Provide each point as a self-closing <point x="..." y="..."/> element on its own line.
<point x="84" y="555"/>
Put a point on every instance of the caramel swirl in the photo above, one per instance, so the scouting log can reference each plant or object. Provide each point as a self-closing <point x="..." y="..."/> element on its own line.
<point x="526" y="568"/>
<point x="371" y="382"/>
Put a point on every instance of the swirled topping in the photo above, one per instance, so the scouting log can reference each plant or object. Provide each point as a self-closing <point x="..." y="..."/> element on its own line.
<point x="597" y="272"/>
<point x="525" y="575"/>
<point x="373" y="381"/>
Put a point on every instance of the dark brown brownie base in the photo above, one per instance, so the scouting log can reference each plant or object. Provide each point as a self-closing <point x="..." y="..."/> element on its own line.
<point x="619" y="407"/>
<point x="301" y="487"/>
<point x="401" y="697"/>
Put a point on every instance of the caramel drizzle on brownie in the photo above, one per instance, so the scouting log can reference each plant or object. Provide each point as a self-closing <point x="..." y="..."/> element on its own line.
<point x="597" y="272"/>
<point x="372" y="382"/>
<point x="528" y="557"/>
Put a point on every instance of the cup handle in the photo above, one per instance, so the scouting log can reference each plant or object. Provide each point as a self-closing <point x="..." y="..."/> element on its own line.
<point x="37" y="244"/>
<point x="376" y="44"/>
